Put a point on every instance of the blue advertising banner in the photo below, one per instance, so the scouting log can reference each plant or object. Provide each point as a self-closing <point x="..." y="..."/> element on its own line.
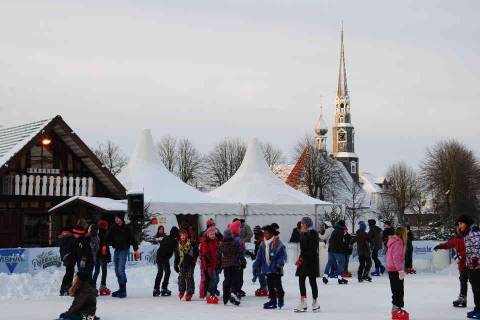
<point x="13" y="260"/>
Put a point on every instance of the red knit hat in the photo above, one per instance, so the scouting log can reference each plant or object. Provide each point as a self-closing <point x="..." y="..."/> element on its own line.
<point x="102" y="224"/>
<point x="235" y="228"/>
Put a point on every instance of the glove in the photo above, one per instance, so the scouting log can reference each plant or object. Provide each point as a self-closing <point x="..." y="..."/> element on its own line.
<point x="299" y="262"/>
<point x="136" y="255"/>
<point x="475" y="263"/>
<point x="401" y="274"/>
<point x="436" y="247"/>
<point x="104" y="250"/>
<point x="82" y="264"/>
<point x="177" y="270"/>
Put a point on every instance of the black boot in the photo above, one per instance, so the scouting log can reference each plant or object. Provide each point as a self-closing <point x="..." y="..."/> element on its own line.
<point x="156" y="292"/>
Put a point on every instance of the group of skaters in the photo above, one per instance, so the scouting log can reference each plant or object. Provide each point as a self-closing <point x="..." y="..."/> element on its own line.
<point x="218" y="252"/>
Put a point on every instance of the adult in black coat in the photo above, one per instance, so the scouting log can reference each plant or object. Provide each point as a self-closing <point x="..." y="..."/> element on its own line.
<point x="409" y="252"/>
<point x="295" y="237"/>
<point x="83" y="251"/>
<point x="308" y="263"/>
<point x="165" y="251"/>
<point x="336" y="253"/>
<point x="67" y="244"/>
<point x="364" y="252"/>
<point x="102" y="260"/>
<point x="375" y="237"/>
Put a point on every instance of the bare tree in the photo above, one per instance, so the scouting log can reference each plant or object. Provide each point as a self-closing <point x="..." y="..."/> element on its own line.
<point x="224" y="160"/>
<point x="320" y="173"/>
<point x="354" y="198"/>
<point x="167" y="149"/>
<point x="272" y="154"/>
<point x="334" y="215"/>
<point x="111" y="156"/>
<point x="402" y="188"/>
<point x="387" y="211"/>
<point x="189" y="161"/>
<point x="452" y="172"/>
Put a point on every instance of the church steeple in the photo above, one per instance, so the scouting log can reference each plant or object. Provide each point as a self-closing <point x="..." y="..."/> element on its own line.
<point x="343" y="131"/>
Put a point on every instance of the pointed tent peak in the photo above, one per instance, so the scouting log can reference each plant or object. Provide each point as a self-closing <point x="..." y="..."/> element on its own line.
<point x="342" y="90"/>
<point x="145" y="150"/>
<point x="321" y="127"/>
<point x="254" y="159"/>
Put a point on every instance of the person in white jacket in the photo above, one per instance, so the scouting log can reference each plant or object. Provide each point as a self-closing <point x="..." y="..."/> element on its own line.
<point x="328" y="232"/>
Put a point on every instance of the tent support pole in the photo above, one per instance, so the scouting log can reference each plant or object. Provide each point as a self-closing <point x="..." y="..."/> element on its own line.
<point x="316" y="218"/>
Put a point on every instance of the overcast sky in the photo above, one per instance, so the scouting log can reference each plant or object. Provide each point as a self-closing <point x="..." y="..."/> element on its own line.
<point x="211" y="69"/>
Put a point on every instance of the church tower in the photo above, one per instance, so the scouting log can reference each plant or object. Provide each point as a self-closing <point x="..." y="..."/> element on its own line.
<point x="321" y="131"/>
<point x="343" y="131"/>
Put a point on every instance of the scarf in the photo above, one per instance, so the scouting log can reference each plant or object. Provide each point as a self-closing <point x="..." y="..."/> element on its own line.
<point x="267" y="250"/>
<point x="183" y="249"/>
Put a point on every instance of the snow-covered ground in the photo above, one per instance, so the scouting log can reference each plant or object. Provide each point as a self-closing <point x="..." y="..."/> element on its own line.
<point x="428" y="297"/>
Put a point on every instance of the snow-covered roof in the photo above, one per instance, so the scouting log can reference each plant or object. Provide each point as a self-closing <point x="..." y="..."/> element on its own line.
<point x="146" y="173"/>
<point x="346" y="155"/>
<point x="106" y="204"/>
<point x="369" y="182"/>
<point x="254" y="182"/>
<point x="13" y="139"/>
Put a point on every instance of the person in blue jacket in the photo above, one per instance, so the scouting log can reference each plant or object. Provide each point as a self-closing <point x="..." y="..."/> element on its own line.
<point x="270" y="260"/>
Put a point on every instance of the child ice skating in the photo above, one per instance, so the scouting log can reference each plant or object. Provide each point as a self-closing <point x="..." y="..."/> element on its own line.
<point x="230" y="251"/>
<point x="185" y="258"/>
<point x="84" y="304"/>
<point x="396" y="271"/>
<point x="308" y="265"/>
<point x="168" y="245"/>
<point x="472" y="251"/>
<point x="210" y="264"/>
<point x="270" y="260"/>
<point x="257" y="273"/>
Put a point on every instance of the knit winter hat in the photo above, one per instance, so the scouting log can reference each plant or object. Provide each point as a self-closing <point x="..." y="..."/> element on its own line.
<point x="362" y="226"/>
<point x="235" y="228"/>
<point x="227" y="234"/>
<point x="102" y="224"/>
<point x="372" y="222"/>
<point x="341" y="223"/>
<point x="276" y="226"/>
<point x="465" y="219"/>
<point x="210" y="223"/>
<point x="307" y="221"/>
<point x="270" y="229"/>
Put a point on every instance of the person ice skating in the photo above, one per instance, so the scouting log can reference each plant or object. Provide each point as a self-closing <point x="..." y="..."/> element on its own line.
<point x="336" y="253"/>
<point x="308" y="265"/>
<point x="120" y="237"/>
<point x="102" y="260"/>
<point x="185" y="258"/>
<point x="458" y="244"/>
<point x="396" y="271"/>
<point x="472" y="252"/>
<point x="67" y="254"/>
<point x="235" y="227"/>
<point x="387" y="232"/>
<point x="166" y="249"/>
<point x="349" y="240"/>
<point x="84" y="305"/>
<point x="92" y="234"/>
<point x="257" y="273"/>
<point x="230" y="251"/>
<point x="375" y="237"/>
<point x="202" y="288"/>
<point x="210" y="264"/>
<point x="409" y="253"/>
<point x="364" y="252"/>
<point x="270" y="260"/>
<point x="83" y="251"/>
<point x="295" y="237"/>
<point x="246" y="233"/>
<point x="327" y="232"/>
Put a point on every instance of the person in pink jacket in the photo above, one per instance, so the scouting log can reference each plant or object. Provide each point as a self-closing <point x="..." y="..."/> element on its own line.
<point x="396" y="271"/>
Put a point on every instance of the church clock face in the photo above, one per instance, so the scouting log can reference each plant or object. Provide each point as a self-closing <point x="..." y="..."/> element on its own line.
<point x="341" y="136"/>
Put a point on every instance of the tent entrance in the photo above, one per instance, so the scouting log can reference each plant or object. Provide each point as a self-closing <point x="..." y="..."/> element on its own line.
<point x="191" y="219"/>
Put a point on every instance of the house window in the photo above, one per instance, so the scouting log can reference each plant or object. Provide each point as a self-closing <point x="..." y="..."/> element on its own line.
<point x="41" y="158"/>
<point x="353" y="167"/>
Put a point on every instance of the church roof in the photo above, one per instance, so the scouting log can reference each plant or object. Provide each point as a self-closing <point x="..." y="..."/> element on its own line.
<point x="342" y="89"/>
<point x="255" y="183"/>
<point x="17" y="140"/>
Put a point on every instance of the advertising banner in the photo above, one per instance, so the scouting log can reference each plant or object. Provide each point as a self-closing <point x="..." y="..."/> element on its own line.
<point x="13" y="260"/>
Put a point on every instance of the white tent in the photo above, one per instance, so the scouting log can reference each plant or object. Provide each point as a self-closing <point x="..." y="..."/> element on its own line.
<point x="164" y="193"/>
<point x="265" y="197"/>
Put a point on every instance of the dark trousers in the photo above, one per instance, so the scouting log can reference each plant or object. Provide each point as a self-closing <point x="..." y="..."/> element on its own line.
<point x="409" y="258"/>
<point x="88" y="269"/>
<point x="67" y="278"/>
<point x="377" y="262"/>
<point x="364" y="267"/>
<point x="163" y="271"/>
<point x="474" y="277"/>
<point x="274" y="284"/>
<point x="347" y="260"/>
<point x="396" y="285"/>
<point x="230" y="282"/>
<point x="313" y="286"/>
<point x="100" y="264"/>
<point x="463" y="283"/>
<point x="186" y="283"/>
<point x="212" y="282"/>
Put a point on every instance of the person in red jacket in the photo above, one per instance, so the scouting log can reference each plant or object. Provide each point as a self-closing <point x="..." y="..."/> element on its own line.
<point x="458" y="244"/>
<point x="210" y="263"/>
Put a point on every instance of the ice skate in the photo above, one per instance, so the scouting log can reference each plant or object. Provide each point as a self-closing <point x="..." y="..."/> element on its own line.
<point x="461" y="302"/>
<point x="165" y="293"/>
<point x="315" y="306"/>
<point x="156" y="293"/>
<point x="302" y="307"/>
<point x="272" y="304"/>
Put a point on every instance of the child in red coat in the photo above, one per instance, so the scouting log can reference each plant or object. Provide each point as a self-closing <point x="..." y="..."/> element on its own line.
<point x="210" y="263"/>
<point x="396" y="271"/>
